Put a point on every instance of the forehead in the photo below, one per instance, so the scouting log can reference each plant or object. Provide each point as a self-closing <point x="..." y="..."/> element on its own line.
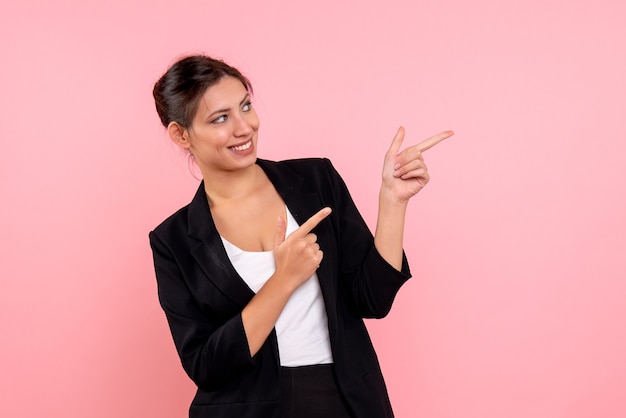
<point x="223" y="94"/>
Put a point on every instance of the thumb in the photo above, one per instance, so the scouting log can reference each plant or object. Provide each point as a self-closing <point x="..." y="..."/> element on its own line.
<point x="281" y="230"/>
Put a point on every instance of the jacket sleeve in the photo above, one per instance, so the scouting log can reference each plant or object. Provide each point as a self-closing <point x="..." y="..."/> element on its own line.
<point x="212" y="350"/>
<point x="367" y="280"/>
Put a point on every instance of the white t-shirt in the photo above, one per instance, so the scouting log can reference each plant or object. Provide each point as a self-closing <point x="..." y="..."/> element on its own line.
<point x="302" y="327"/>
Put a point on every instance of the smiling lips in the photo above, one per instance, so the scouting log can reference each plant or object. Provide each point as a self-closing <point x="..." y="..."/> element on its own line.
<point x="242" y="147"/>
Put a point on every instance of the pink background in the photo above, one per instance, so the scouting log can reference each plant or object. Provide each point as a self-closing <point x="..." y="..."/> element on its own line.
<point x="518" y="245"/>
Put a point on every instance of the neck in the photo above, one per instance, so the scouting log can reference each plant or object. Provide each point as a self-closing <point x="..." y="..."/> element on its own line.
<point x="227" y="186"/>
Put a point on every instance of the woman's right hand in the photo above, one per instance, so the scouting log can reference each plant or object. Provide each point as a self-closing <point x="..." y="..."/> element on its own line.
<point x="298" y="255"/>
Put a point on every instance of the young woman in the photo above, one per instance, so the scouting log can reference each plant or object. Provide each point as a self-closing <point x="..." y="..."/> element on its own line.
<point x="266" y="275"/>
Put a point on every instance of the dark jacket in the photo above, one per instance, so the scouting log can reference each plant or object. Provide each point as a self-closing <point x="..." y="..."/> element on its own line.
<point x="203" y="296"/>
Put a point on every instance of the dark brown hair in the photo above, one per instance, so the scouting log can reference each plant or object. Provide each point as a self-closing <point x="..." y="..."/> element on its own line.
<point x="178" y="91"/>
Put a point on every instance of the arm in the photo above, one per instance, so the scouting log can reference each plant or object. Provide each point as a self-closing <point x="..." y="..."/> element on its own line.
<point x="297" y="258"/>
<point x="208" y="334"/>
<point x="368" y="282"/>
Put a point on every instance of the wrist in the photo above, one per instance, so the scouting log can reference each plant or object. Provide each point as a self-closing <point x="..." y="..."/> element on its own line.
<point x="387" y="198"/>
<point x="282" y="284"/>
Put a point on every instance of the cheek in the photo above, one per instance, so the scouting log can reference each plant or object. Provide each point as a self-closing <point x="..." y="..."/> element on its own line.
<point x="210" y="137"/>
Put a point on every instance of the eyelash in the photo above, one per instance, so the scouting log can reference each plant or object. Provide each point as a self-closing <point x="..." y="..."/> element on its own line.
<point x="247" y="106"/>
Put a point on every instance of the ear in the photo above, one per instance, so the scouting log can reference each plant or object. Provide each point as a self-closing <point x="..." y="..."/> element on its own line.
<point x="179" y="135"/>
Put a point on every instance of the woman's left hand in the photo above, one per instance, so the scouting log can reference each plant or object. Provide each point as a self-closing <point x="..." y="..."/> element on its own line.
<point x="404" y="173"/>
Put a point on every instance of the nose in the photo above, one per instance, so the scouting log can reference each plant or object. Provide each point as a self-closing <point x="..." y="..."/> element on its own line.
<point x="243" y="126"/>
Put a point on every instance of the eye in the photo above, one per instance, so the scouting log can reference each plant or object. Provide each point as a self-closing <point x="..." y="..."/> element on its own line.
<point x="220" y="119"/>
<point x="247" y="106"/>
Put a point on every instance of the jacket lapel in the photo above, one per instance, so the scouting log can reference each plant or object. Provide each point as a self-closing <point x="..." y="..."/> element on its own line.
<point x="209" y="251"/>
<point x="304" y="204"/>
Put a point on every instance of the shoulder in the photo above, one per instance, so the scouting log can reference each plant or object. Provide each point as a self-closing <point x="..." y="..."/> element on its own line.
<point x="172" y="225"/>
<point x="297" y="164"/>
<point x="305" y="175"/>
<point x="307" y="168"/>
<point x="193" y="216"/>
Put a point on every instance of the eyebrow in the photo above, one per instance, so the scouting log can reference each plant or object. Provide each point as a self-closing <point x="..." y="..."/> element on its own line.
<point x="245" y="98"/>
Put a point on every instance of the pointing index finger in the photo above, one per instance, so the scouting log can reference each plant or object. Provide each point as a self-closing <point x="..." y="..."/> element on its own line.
<point x="312" y="222"/>
<point x="434" y="140"/>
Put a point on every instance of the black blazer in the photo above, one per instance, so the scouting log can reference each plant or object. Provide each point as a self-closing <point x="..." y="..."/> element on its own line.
<point x="203" y="296"/>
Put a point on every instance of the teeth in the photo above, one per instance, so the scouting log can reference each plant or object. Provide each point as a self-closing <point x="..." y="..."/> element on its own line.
<point x="243" y="147"/>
